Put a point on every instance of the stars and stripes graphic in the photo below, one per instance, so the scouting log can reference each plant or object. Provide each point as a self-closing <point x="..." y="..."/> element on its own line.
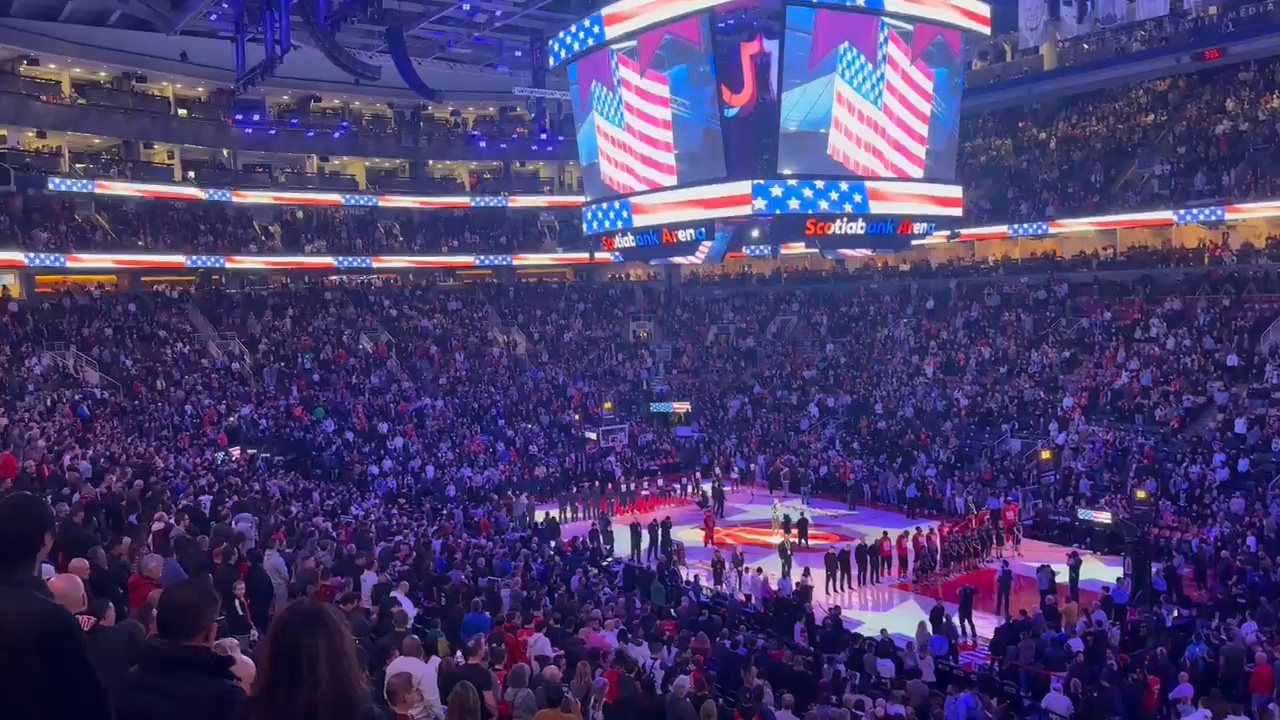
<point x="582" y="35"/>
<point x="1245" y="211"/>
<point x="349" y="262"/>
<point x="698" y="257"/>
<point x="60" y="184"/>
<point x="570" y="258"/>
<point x="1030" y="229"/>
<point x="424" y="203"/>
<point x="855" y="197"/>
<point x="46" y="260"/>
<point x="269" y="197"/>
<point x="276" y="262"/>
<point x="670" y="207"/>
<point x="635" y="141"/>
<point x="603" y="217"/>
<point x="494" y="260"/>
<point x="969" y="14"/>
<point x="158" y="192"/>
<point x="423" y="261"/>
<point x="1199" y="215"/>
<point x="615" y="20"/>
<point x="758" y="251"/>
<point x="671" y="407"/>
<point x="881" y="108"/>
<point x="206" y="261"/>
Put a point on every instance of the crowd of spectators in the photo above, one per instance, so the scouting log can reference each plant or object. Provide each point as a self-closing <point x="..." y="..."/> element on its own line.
<point x="46" y="224"/>
<point x="334" y="515"/>
<point x="1166" y="142"/>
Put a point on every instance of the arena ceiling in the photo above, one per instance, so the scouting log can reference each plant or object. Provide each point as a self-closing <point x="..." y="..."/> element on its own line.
<point x="485" y="33"/>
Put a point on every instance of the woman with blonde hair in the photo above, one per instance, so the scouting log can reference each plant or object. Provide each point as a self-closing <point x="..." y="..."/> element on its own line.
<point x="463" y="703"/>
<point x="580" y="686"/>
<point x="709" y="710"/>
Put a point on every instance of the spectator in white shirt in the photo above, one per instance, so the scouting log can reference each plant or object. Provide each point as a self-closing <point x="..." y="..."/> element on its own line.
<point x="401" y="594"/>
<point x="539" y="644"/>
<point x="1058" y="703"/>
<point x="425" y="678"/>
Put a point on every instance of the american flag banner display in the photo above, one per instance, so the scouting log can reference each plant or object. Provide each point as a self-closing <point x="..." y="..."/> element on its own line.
<point x="618" y="19"/>
<point x="1042" y="228"/>
<point x="103" y="260"/>
<point x="785" y="196"/>
<point x="269" y="197"/>
<point x="880" y="109"/>
<point x="1252" y="210"/>
<point x="1199" y="215"/>
<point x="391" y="262"/>
<point x="635" y="141"/>
<point x="671" y="407"/>
<point x="698" y="257"/>
<point x="628" y="16"/>
<point x="971" y="15"/>
<point x="669" y="207"/>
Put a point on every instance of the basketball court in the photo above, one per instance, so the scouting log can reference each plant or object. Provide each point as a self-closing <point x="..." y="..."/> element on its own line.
<point x="894" y="605"/>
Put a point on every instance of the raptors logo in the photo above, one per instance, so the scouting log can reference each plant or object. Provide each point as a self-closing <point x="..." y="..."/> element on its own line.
<point x="760" y="534"/>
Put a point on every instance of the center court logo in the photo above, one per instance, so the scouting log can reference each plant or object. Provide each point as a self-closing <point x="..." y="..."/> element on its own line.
<point x="651" y="238"/>
<point x="760" y="534"/>
<point x="859" y="226"/>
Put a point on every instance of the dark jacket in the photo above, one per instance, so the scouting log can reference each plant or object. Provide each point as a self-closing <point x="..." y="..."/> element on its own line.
<point x="45" y="673"/>
<point x="105" y="586"/>
<point x="176" y="681"/>
<point x="113" y="650"/>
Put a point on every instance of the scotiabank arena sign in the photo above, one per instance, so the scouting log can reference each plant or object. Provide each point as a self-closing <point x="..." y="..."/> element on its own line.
<point x="627" y="239"/>
<point x="814" y="227"/>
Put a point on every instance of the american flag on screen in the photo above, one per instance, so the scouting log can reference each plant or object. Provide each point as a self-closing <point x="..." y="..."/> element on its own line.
<point x="880" y="109"/>
<point x="634" y="139"/>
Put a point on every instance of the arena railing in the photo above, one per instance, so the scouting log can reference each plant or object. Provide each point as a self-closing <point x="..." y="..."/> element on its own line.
<point x="1029" y="230"/>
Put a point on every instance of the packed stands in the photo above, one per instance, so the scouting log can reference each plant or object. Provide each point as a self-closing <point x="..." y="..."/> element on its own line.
<point x="350" y="428"/>
<point x="334" y="497"/>
<point x="1168" y="142"/>
<point x="49" y="224"/>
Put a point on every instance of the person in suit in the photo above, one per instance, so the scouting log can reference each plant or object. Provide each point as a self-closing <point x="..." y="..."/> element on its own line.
<point x="845" y="557"/>
<point x="651" y="554"/>
<point x="860" y="555"/>
<point x="637" y="540"/>
<point x="1004" y="588"/>
<point x="831" y="565"/>
<point x="802" y="530"/>
<point x="785" y="555"/>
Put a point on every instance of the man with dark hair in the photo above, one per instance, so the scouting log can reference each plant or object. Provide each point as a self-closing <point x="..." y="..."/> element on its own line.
<point x="181" y="675"/>
<point x="44" y="648"/>
<point x="475" y="670"/>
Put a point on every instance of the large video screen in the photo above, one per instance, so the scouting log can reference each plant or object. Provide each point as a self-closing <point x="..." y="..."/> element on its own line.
<point x="646" y="111"/>
<point x="869" y="96"/>
<point x="748" y="36"/>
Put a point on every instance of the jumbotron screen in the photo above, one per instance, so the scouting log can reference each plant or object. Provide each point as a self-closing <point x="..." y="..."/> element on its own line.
<point x="647" y="111"/>
<point x="869" y="96"/>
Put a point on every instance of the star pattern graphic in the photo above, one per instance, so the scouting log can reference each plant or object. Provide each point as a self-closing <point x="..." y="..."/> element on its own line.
<point x="807" y="197"/>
